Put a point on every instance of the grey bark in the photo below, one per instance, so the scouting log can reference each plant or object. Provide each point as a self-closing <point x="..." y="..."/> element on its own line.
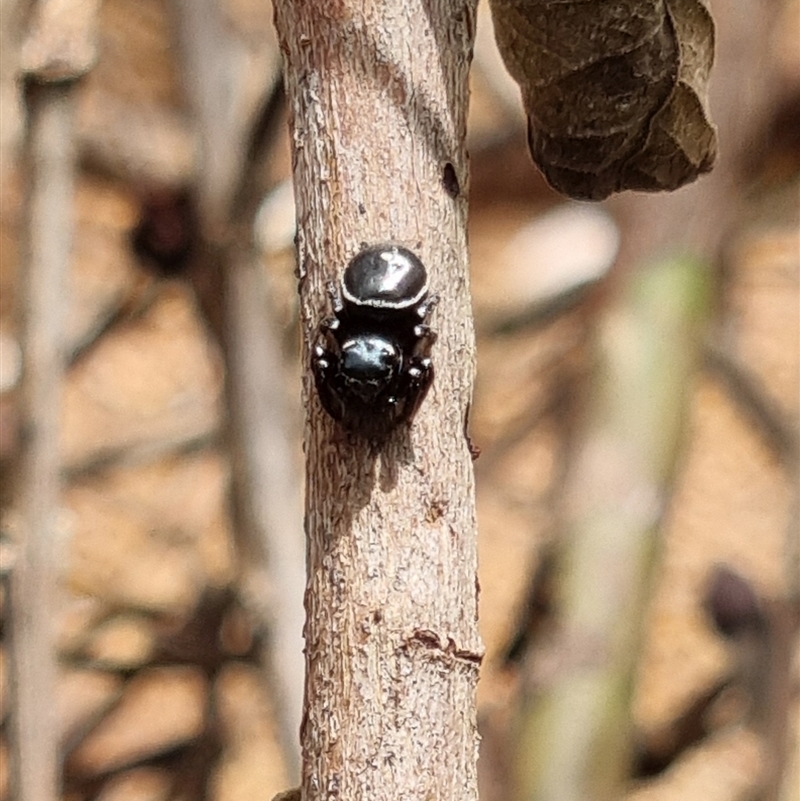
<point x="59" y="49"/>
<point x="44" y="268"/>
<point x="378" y="100"/>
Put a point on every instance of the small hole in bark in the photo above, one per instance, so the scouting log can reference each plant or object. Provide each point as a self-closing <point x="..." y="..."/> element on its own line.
<point x="450" y="181"/>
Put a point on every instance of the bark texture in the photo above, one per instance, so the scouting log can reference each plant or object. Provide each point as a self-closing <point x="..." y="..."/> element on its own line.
<point x="378" y="100"/>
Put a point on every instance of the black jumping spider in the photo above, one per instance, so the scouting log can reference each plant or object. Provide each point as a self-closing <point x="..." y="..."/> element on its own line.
<point x="371" y="362"/>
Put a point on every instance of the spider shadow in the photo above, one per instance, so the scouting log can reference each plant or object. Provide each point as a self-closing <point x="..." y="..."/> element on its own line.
<point x="360" y="466"/>
<point x="395" y="453"/>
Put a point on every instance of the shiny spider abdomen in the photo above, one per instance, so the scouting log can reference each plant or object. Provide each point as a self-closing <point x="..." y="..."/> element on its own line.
<point x="371" y="361"/>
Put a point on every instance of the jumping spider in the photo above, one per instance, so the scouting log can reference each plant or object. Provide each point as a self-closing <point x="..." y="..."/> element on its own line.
<point x="371" y="362"/>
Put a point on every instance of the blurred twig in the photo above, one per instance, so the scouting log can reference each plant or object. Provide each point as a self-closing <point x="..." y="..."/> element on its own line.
<point x="58" y="51"/>
<point x="574" y="735"/>
<point x="779" y="432"/>
<point x="235" y="89"/>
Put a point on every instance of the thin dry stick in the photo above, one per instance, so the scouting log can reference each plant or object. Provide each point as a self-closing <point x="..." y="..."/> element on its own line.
<point x="219" y="71"/>
<point x="378" y="98"/>
<point x="58" y="52"/>
<point x="574" y="737"/>
<point x="35" y="572"/>
<point x="270" y="486"/>
<point x="226" y="76"/>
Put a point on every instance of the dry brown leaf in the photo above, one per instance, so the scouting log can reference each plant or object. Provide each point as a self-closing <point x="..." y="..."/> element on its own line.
<point x="616" y="93"/>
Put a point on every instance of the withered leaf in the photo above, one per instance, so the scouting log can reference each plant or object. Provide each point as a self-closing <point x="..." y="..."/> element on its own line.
<point x="615" y="90"/>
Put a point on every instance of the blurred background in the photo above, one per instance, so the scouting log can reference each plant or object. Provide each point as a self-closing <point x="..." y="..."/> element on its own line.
<point x="178" y="546"/>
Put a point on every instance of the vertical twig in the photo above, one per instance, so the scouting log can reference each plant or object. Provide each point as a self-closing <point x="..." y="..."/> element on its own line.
<point x="270" y="490"/>
<point x="226" y="78"/>
<point x="574" y="741"/>
<point x="49" y="155"/>
<point x="220" y="70"/>
<point x="378" y="100"/>
<point x="59" y="50"/>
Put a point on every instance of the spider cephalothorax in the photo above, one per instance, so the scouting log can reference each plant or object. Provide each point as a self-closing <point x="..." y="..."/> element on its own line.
<point x="371" y="362"/>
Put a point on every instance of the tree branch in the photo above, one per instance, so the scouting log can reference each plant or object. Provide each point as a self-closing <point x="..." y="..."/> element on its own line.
<point x="58" y="51"/>
<point x="378" y="97"/>
<point x="574" y="738"/>
<point x="225" y="74"/>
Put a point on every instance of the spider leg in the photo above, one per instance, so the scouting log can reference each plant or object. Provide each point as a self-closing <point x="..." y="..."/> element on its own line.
<point x="328" y="330"/>
<point x="413" y="387"/>
<point x="325" y="367"/>
<point x="427" y="306"/>
<point x="424" y="340"/>
<point x="423" y="335"/>
<point x="335" y="295"/>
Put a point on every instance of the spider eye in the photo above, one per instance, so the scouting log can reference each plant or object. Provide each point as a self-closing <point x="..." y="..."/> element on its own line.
<point x="369" y="358"/>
